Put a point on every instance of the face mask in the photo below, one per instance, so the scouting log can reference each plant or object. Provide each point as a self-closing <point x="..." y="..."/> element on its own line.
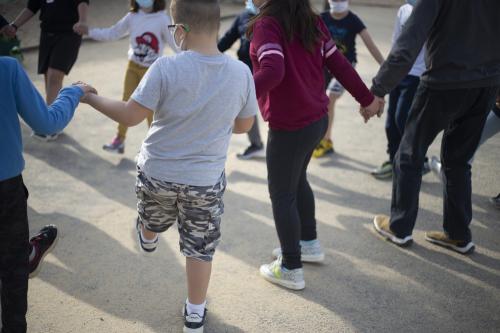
<point x="250" y="6"/>
<point x="145" y="3"/>
<point x="338" y="7"/>
<point x="179" y="45"/>
<point x="411" y="2"/>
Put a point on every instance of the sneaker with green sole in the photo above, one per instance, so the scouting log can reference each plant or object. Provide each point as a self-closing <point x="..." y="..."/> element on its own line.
<point x="384" y="171"/>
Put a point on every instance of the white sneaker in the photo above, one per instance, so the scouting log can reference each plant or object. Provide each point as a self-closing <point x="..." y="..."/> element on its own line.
<point x="193" y="323"/>
<point x="288" y="278"/>
<point x="436" y="166"/>
<point x="310" y="251"/>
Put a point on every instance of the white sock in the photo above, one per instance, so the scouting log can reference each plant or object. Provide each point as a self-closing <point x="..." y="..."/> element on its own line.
<point x="195" y="308"/>
<point x="32" y="253"/>
<point x="145" y="240"/>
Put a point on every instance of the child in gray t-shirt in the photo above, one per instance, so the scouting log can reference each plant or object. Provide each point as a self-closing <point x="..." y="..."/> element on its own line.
<point x="198" y="98"/>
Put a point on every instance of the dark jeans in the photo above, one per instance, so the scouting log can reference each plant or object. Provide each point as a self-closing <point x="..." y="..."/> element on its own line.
<point x="14" y="252"/>
<point x="400" y="101"/>
<point x="461" y="114"/>
<point x="288" y="155"/>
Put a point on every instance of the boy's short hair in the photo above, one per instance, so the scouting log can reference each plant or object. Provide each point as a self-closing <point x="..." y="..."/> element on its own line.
<point x="199" y="15"/>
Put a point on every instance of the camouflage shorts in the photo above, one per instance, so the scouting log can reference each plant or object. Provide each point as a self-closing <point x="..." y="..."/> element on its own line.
<point x="197" y="209"/>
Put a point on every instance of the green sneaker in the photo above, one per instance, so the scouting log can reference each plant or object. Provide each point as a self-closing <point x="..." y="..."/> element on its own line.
<point x="310" y="251"/>
<point x="384" y="171"/>
<point x="288" y="278"/>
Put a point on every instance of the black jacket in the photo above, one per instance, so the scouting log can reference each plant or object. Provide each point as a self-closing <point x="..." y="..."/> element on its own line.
<point x="463" y="46"/>
<point x="238" y="31"/>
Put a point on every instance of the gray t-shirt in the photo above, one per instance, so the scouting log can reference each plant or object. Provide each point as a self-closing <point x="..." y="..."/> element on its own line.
<point x="195" y="100"/>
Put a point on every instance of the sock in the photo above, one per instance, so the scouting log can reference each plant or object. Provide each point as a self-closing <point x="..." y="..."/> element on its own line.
<point x="32" y="253"/>
<point x="145" y="240"/>
<point x="196" y="308"/>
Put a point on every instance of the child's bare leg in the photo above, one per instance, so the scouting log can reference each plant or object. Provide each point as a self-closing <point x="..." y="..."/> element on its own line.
<point x="53" y="84"/>
<point x="198" y="277"/>
<point x="331" y="114"/>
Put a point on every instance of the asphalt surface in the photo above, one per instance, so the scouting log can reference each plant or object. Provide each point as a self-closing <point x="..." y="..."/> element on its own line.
<point x="96" y="280"/>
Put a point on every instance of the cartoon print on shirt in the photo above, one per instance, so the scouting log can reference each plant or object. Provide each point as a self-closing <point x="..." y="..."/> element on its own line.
<point x="147" y="47"/>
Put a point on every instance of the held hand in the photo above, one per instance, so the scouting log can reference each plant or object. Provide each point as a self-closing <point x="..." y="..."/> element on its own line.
<point x="375" y="108"/>
<point x="9" y="31"/>
<point x="87" y="90"/>
<point x="81" y="28"/>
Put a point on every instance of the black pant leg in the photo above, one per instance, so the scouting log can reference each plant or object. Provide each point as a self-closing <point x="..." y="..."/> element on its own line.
<point x="460" y="141"/>
<point x="286" y="155"/>
<point x="427" y="118"/>
<point x="14" y="252"/>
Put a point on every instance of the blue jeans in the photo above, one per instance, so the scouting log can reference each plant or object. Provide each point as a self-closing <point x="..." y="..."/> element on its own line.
<point x="400" y="101"/>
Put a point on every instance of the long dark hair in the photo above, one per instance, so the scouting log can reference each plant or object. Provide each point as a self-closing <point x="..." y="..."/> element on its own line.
<point x="158" y="6"/>
<point x="297" y="19"/>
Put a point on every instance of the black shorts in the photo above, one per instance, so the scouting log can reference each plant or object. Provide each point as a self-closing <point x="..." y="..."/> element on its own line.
<point x="58" y="51"/>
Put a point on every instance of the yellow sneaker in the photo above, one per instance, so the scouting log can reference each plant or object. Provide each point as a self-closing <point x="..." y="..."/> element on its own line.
<point x="324" y="148"/>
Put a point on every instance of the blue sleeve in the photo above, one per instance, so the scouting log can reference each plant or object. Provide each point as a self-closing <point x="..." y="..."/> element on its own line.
<point x="32" y="108"/>
<point x="33" y="6"/>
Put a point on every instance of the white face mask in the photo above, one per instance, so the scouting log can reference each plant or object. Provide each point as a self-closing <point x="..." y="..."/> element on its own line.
<point x="178" y="45"/>
<point x="338" y="7"/>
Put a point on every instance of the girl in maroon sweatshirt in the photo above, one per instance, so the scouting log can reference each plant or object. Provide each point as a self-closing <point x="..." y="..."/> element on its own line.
<point x="289" y="48"/>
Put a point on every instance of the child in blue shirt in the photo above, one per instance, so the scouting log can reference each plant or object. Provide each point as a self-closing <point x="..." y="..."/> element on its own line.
<point x="19" y="257"/>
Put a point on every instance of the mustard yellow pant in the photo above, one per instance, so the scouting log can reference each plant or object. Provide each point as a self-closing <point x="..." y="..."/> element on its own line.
<point x="132" y="79"/>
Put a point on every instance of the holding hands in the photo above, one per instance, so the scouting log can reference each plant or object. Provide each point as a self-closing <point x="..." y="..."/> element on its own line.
<point x="375" y="108"/>
<point x="81" y="28"/>
<point x="87" y="90"/>
<point x="9" y="31"/>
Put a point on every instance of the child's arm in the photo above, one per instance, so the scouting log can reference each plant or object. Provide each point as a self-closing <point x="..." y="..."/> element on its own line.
<point x="244" y="122"/>
<point x="370" y="45"/>
<point x="31" y="106"/>
<point x="128" y="113"/>
<point x="81" y="26"/>
<point x="267" y="41"/>
<point x="119" y="30"/>
<point x="230" y="37"/>
<point x="25" y="15"/>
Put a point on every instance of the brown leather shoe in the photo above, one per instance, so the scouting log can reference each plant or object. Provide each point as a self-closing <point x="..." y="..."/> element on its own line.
<point x="441" y="239"/>
<point x="382" y="226"/>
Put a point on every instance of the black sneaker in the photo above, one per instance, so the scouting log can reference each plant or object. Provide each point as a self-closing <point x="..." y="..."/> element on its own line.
<point x="42" y="243"/>
<point x="496" y="201"/>
<point x="251" y="152"/>
<point x="193" y="323"/>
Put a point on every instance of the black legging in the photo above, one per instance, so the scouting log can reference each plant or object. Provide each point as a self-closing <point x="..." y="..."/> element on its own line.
<point x="288" y="155"/>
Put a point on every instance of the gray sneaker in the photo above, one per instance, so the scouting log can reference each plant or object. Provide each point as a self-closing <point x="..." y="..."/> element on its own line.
<point x="310" y="251"/>
<point x="288" y="278"/>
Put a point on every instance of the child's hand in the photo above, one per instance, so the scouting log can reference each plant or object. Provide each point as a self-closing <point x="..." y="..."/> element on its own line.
<point x="375" y="108"/>
<point x="87" y="90"/>
<point x="9" y="31"/>
<point x="81" y="28"/>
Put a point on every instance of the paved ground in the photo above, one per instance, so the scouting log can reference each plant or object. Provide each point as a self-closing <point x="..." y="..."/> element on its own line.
<point x="97" y="281"/>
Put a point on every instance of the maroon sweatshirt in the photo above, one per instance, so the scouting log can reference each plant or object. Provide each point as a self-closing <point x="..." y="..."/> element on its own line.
<point x="289" y="78"/>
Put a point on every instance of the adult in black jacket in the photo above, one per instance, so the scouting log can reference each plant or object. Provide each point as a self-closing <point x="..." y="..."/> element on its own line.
<point x="455" y="95"/>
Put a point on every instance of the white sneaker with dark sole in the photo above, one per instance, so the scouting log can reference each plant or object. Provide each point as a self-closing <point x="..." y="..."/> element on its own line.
<point x="193" y="323"/>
